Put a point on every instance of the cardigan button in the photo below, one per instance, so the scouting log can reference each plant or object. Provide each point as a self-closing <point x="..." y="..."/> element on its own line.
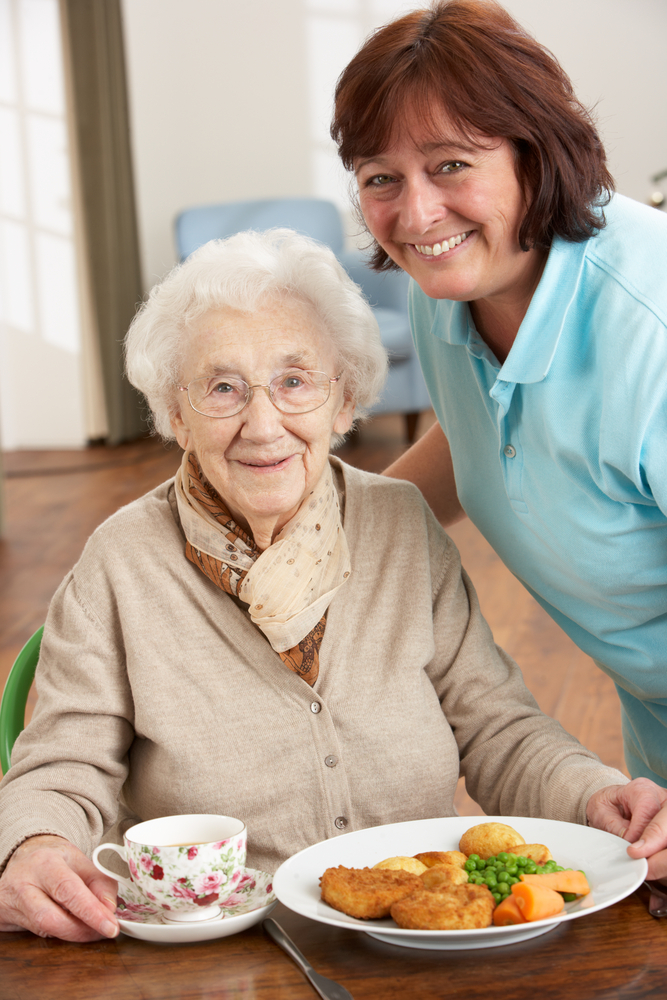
<point x="315" y="707"/>
<point x="510" y="450"/>
<point x="340" y="822"/>
<point x="331" y="760"/>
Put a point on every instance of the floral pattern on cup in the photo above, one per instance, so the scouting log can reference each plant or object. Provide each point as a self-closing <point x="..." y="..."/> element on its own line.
<point x="203" y="886"/>
<point x="254" y="890"/>
<point x="186" y="880"/>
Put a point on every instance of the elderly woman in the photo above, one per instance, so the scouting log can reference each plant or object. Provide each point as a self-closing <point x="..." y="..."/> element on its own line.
<point x="271" y="634"/>
<point x="539" y="312"/>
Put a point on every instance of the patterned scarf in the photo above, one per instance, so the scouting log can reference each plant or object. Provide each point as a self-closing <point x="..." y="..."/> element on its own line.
<point x="290" y="585"/>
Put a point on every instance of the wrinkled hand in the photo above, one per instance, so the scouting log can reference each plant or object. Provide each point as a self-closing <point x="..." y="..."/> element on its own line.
<point x="51" y="888"/>
<point x="638" y="813"/>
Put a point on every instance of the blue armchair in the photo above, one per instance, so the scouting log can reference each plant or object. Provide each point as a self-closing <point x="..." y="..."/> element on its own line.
<point x="405" y="391"/>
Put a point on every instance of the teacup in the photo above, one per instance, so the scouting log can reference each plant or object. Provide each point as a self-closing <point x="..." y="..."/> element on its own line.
<point x="187" y="865"/>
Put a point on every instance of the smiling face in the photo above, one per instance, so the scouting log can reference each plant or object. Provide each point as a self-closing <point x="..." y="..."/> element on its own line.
<point x="262" y="462"/>
<point x="449" y="214"/>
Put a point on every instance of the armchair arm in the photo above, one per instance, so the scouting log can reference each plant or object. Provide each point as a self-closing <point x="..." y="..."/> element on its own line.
<point x="387" y="289"/>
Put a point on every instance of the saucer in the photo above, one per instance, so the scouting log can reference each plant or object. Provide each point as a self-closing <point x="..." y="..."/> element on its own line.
<point x="251" y="902"/>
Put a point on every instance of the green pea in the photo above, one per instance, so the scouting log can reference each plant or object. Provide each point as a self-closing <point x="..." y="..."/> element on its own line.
<point x="503" y="888"/>
<point x="521" y="861"/>
<point x="479" y="864"/>
<point x="569" y="897"/>
<point x="470" y="865"/>
<point x="531" y="868"/>
<point x="512" y="869"/>
<point x="498" y="898"/>
<point x="502" y="857"/>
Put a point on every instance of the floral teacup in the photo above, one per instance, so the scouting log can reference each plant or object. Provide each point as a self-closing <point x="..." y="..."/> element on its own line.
<point x="187" y="865"/>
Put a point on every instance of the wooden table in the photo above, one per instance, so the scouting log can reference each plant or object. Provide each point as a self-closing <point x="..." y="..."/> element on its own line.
<point x="618" y="953"/>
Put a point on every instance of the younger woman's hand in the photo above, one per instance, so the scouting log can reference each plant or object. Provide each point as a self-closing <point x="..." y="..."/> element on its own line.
<point x="638" y="813"/>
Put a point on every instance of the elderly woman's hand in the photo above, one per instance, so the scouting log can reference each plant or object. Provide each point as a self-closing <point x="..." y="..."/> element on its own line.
<point x="638" y="813"/>
<point x="51" y="888"/>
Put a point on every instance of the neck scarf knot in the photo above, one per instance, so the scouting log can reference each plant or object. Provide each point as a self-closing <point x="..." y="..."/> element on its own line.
<point x="290" y="585"/>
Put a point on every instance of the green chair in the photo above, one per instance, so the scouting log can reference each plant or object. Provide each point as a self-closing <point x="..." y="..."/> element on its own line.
<point x="15" y="696"/>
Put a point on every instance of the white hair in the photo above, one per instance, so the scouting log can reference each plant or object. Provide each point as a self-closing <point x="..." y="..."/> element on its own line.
<point x="243" y="272"/>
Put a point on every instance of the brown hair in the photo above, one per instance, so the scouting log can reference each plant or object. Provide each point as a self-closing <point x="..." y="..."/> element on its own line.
<point x="471" y="61"/>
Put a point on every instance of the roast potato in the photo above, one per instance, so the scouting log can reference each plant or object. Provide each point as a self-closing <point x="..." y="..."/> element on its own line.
<point x="401" y="863"/>
<point x="443" y="876"/>
<point x="536" y="852"/>
<point x="432" y="858"/>
<point x="489" y="839"/>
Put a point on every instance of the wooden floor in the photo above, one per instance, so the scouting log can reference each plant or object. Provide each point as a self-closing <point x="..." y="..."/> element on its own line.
<point x="54" y="500"/>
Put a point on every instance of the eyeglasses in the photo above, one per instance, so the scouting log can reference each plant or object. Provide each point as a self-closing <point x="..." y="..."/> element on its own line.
<point x="295" y="391"/>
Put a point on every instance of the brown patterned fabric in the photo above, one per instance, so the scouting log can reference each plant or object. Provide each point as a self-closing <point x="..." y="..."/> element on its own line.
<point x="304" y="658"/>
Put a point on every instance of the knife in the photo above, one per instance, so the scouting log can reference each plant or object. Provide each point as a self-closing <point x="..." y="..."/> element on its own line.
<point x="326" y="988"/>
<point x="657" y="906"/>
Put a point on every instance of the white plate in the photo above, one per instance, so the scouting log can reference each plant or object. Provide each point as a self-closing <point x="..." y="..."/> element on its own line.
<point x="252" y="902"/>
<point x="611" y="874"/>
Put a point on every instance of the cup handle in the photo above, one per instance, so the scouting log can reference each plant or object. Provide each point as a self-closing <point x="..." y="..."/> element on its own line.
<point x="120" y="851"/>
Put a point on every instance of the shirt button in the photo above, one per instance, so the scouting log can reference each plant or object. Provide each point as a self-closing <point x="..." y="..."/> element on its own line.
<point x="315" y="707"/>
<point x="509" y="450"/>
<point x="340" y="822"/>
<point x="331" y="760"/>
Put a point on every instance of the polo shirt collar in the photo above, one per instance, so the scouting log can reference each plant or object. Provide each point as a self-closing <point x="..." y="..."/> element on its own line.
<point x="537" y="340"/>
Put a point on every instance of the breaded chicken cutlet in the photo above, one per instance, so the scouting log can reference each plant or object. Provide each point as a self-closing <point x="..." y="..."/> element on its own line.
<point x="460" y="907"/>
<point x="366" y="893"/>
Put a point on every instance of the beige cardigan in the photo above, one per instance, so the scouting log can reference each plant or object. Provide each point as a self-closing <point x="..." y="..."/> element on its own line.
<point x="156" y="691"/>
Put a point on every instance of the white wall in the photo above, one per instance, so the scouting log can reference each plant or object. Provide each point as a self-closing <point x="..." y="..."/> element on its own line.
<point x="615" y="52"/>
<point x="219" y="108"/>
<point x="228" y="98"/>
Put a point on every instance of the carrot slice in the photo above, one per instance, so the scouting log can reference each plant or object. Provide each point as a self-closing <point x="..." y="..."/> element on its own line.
<point x="567" y="881"/>
<point x="507" y="913"/>
<point x="536" y="902"/>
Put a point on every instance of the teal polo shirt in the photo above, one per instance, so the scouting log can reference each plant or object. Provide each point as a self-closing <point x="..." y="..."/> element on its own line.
<point x="560" y="454"/>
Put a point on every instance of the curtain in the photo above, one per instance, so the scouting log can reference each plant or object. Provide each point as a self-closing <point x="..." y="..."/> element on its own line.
<point x="93" y="50"/>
